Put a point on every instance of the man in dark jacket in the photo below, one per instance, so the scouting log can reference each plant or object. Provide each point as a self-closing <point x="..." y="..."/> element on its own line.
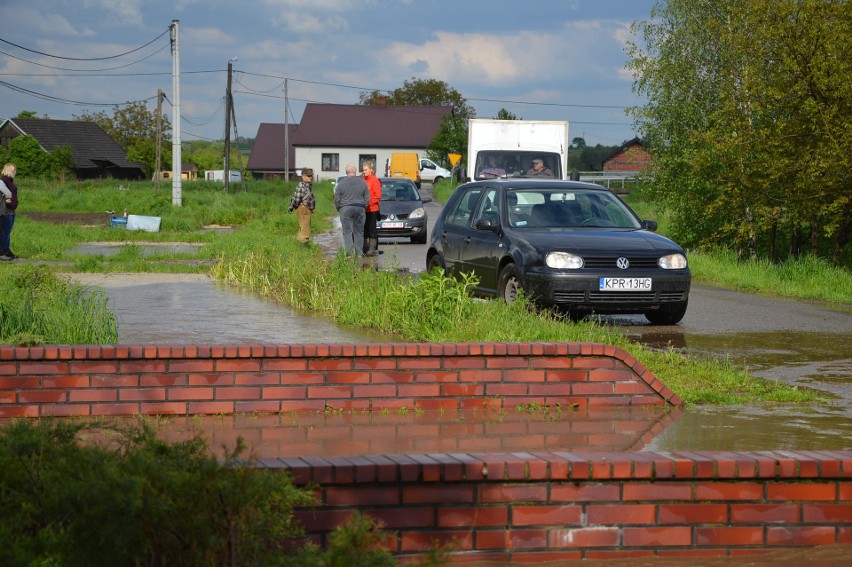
<point x="351" y="197"/>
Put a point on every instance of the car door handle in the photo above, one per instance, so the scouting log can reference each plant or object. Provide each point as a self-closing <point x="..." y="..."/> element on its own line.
<point x="467" y="240"/>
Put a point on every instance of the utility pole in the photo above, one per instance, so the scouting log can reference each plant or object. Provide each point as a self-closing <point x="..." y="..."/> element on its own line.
<point x="286" y="137"/>
<point x="177" y="197"/>
<point x="229" y="102"/>
<point x="159" y="166"/>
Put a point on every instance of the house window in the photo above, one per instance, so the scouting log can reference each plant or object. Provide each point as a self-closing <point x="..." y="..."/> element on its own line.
<point x="364" y="158"/>
<point x="331" y="162"/>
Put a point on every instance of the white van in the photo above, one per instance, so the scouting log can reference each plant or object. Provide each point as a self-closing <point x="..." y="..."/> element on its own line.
<point x="432" y="172"/>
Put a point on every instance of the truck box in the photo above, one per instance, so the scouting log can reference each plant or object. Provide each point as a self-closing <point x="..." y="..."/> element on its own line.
<point x="405" y="164"/>
<point x="500" y="148"/>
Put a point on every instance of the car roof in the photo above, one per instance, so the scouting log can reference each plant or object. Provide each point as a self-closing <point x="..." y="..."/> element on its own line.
<point x="389" y="179"/>
<point x="527" y="183"/>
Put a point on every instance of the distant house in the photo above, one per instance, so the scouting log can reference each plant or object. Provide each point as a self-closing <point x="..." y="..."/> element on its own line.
<point x="95" y="154"/>
<point x="188" y="172"/>
<point x="266" y="160"/>
<point x="631" y="157"/>
<point x="331" y="135"/>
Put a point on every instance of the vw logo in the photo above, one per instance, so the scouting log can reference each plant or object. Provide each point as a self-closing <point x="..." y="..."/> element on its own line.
<point x="623" y="263"/>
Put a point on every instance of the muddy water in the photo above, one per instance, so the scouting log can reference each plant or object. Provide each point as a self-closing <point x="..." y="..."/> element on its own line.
<point x="194" y="309"/>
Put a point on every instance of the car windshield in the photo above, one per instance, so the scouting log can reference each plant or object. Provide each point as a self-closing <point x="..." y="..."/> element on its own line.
<point x="399" y="191"/>
<point x="568" y="208"/>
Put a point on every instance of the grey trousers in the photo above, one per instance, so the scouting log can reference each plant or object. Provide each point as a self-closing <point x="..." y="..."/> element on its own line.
<point x="352" y="220"/>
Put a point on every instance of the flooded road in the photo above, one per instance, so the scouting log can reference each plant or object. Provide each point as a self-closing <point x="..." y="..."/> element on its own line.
<point x="194" y="309"/>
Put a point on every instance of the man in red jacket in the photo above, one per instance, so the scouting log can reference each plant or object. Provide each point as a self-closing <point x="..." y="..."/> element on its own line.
<point x="371" y="232"/>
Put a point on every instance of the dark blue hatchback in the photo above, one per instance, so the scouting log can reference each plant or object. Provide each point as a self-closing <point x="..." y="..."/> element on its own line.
<point x="571" y="245"/>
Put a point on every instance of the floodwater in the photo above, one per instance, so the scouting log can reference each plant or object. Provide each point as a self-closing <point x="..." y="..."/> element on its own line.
<point x="180" y="308"/>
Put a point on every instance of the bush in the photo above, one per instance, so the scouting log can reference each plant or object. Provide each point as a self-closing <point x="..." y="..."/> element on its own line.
<point x="88" y="494"/>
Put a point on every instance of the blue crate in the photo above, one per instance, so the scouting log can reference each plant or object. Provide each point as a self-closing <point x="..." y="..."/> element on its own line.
<point x="118" y="222"/>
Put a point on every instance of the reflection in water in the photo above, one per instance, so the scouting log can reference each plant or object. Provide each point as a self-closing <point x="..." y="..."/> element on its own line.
<point x="406" y="431"/>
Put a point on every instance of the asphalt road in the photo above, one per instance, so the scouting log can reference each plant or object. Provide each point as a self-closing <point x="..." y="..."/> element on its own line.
<point x="803" y="343"/>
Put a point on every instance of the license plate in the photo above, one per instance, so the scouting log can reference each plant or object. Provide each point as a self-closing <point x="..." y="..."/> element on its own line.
<point x="624" y="284"/>
<point x="387" y="224"/>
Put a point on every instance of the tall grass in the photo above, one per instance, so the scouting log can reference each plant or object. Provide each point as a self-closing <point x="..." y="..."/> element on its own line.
<point x="36" y="307"/>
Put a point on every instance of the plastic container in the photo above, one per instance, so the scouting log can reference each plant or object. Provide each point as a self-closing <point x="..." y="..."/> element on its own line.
<point x="118" y="222"/>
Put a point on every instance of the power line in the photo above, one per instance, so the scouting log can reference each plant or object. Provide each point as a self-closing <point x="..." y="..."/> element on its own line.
<point x="83" y="58"/>
<point x="81" y="70"/>
<point x="43" y="96"/>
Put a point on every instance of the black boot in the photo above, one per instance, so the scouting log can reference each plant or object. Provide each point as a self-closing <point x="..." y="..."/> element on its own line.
<point x="372" y="245"/>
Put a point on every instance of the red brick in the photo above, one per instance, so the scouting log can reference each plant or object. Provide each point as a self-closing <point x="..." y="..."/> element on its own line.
<point x="765" y="513"/>
<point x="237" y="365"/>
<point x="729" y="491"/>
<point x="88" y="367"/>
<point x="827" y="513"/>
<point x="65" y="382"/>
<point x="492" y="539"/>
<point x="23" y="411"/>
<point x="584" y="492"/>
<point x="284" y="364"/>
<point x="419" y="390"/>
<point x="463" y="517"/>
<point x="539" y="557"/>
<point x="659" y="536"/>
<point x="592" y="389"/>
<point x="593" y="362"/>
<point x="210" y="408"/>
<point x="693" y="513"/>
<point x="801" y="491"/>
<point x="42" y="368"/>
<point x="165" y="408"/>
<point x="62" y="410"/>
<point x="114" y="409"/>
<point x="329" y="392"/>
<point x="620" y="514"/>
<point x="190" y="365"/>
<point x="197" y="393"/>
<point x="100" y="395"/>
<point x="403" y="518"/>
<point x="480" y="375"/>
<point x="237" y="393"/>
<point x="142" y="366"/>
<point x="42" y="396"/>
<point x="257" y="407"/>
<point x="524" y="375"/>
<point x="658" y="491"/>
<point x="729" y="536"/>
<point x="800" y="535"/>
<point x="17" y="382"/>
<point x="147" y="394"/>
<point x="211" y="379"/>
<point x="546" y="515"/>
<point x="512" y="493"/>
<point x="527" y="539"/>
<point x="584" y="537"/>
<point x="438" y="494"/>
<point x="467" y="363"/>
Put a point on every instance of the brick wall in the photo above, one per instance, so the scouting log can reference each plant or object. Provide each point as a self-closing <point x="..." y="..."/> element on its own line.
<point x="558" y="505"/>
<point x="508" y="504"/>
<point x="195" y="380"/>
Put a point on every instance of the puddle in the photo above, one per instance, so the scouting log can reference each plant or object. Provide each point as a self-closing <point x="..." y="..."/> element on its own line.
<point x="177" y="308"/>
<point x="194" y="309"/>
<point x="145" y="248"/>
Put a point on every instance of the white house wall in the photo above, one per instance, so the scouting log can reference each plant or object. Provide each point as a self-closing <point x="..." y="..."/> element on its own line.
<point x="312" y="157"/>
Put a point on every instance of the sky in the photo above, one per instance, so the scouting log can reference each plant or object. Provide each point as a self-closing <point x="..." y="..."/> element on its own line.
<point x="539" y="59"/>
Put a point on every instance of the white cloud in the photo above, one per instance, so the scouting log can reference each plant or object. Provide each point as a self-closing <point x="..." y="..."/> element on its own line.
<point x="126" y="12"/>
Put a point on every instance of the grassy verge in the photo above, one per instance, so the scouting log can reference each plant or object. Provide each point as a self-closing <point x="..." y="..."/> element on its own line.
<point x="262" y="255"/>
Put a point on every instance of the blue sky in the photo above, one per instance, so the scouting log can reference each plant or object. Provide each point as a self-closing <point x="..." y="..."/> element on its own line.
<point x="548" y="59"/>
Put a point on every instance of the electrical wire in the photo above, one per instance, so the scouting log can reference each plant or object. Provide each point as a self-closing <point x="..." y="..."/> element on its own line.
<point x="83" y="58"/>
<point x="82" y="70"/>
<point x="43" y="96"/>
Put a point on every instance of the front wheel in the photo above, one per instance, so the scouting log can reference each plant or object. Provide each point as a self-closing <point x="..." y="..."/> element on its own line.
<point x="669" y="314"/>
<point x="508" y="284"/>
<point x="435" y="261"/>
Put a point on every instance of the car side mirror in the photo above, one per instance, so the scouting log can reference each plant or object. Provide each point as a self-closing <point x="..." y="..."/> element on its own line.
<point x="651" y="225"/>
<point x="486" y="224"/>
<point x="426" y="199"/>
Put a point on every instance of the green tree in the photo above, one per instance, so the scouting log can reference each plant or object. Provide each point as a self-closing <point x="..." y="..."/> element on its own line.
<point x="27" y="114"/>
<point x="578" y="142"/>
<point x="504" y="114"/>
<point x="748" y="119"/>
<point x="423" y="92"/>
<point x="134" y="128"/>
<point x="450" y="139"/>
<point x="29" y="157"/>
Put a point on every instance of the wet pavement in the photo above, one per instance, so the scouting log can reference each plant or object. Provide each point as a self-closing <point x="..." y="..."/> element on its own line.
<point x="805" y="346"/>
<point x="195" y="309"/>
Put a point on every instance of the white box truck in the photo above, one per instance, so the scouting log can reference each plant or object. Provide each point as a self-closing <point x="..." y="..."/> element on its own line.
<point x="219" y="175"/>
<point x="500" y="148"/>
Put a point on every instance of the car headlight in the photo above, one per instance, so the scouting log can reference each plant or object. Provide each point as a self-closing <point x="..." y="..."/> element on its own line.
<point x="563" y="260"/>
<point x="672" y="262"/>
<point x="417" y="213"/>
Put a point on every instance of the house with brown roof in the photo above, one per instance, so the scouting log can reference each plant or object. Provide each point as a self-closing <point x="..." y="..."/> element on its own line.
<point x="329" y="136"/>
<point x="95" y="154"/>
<point x="631" y="157"/>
